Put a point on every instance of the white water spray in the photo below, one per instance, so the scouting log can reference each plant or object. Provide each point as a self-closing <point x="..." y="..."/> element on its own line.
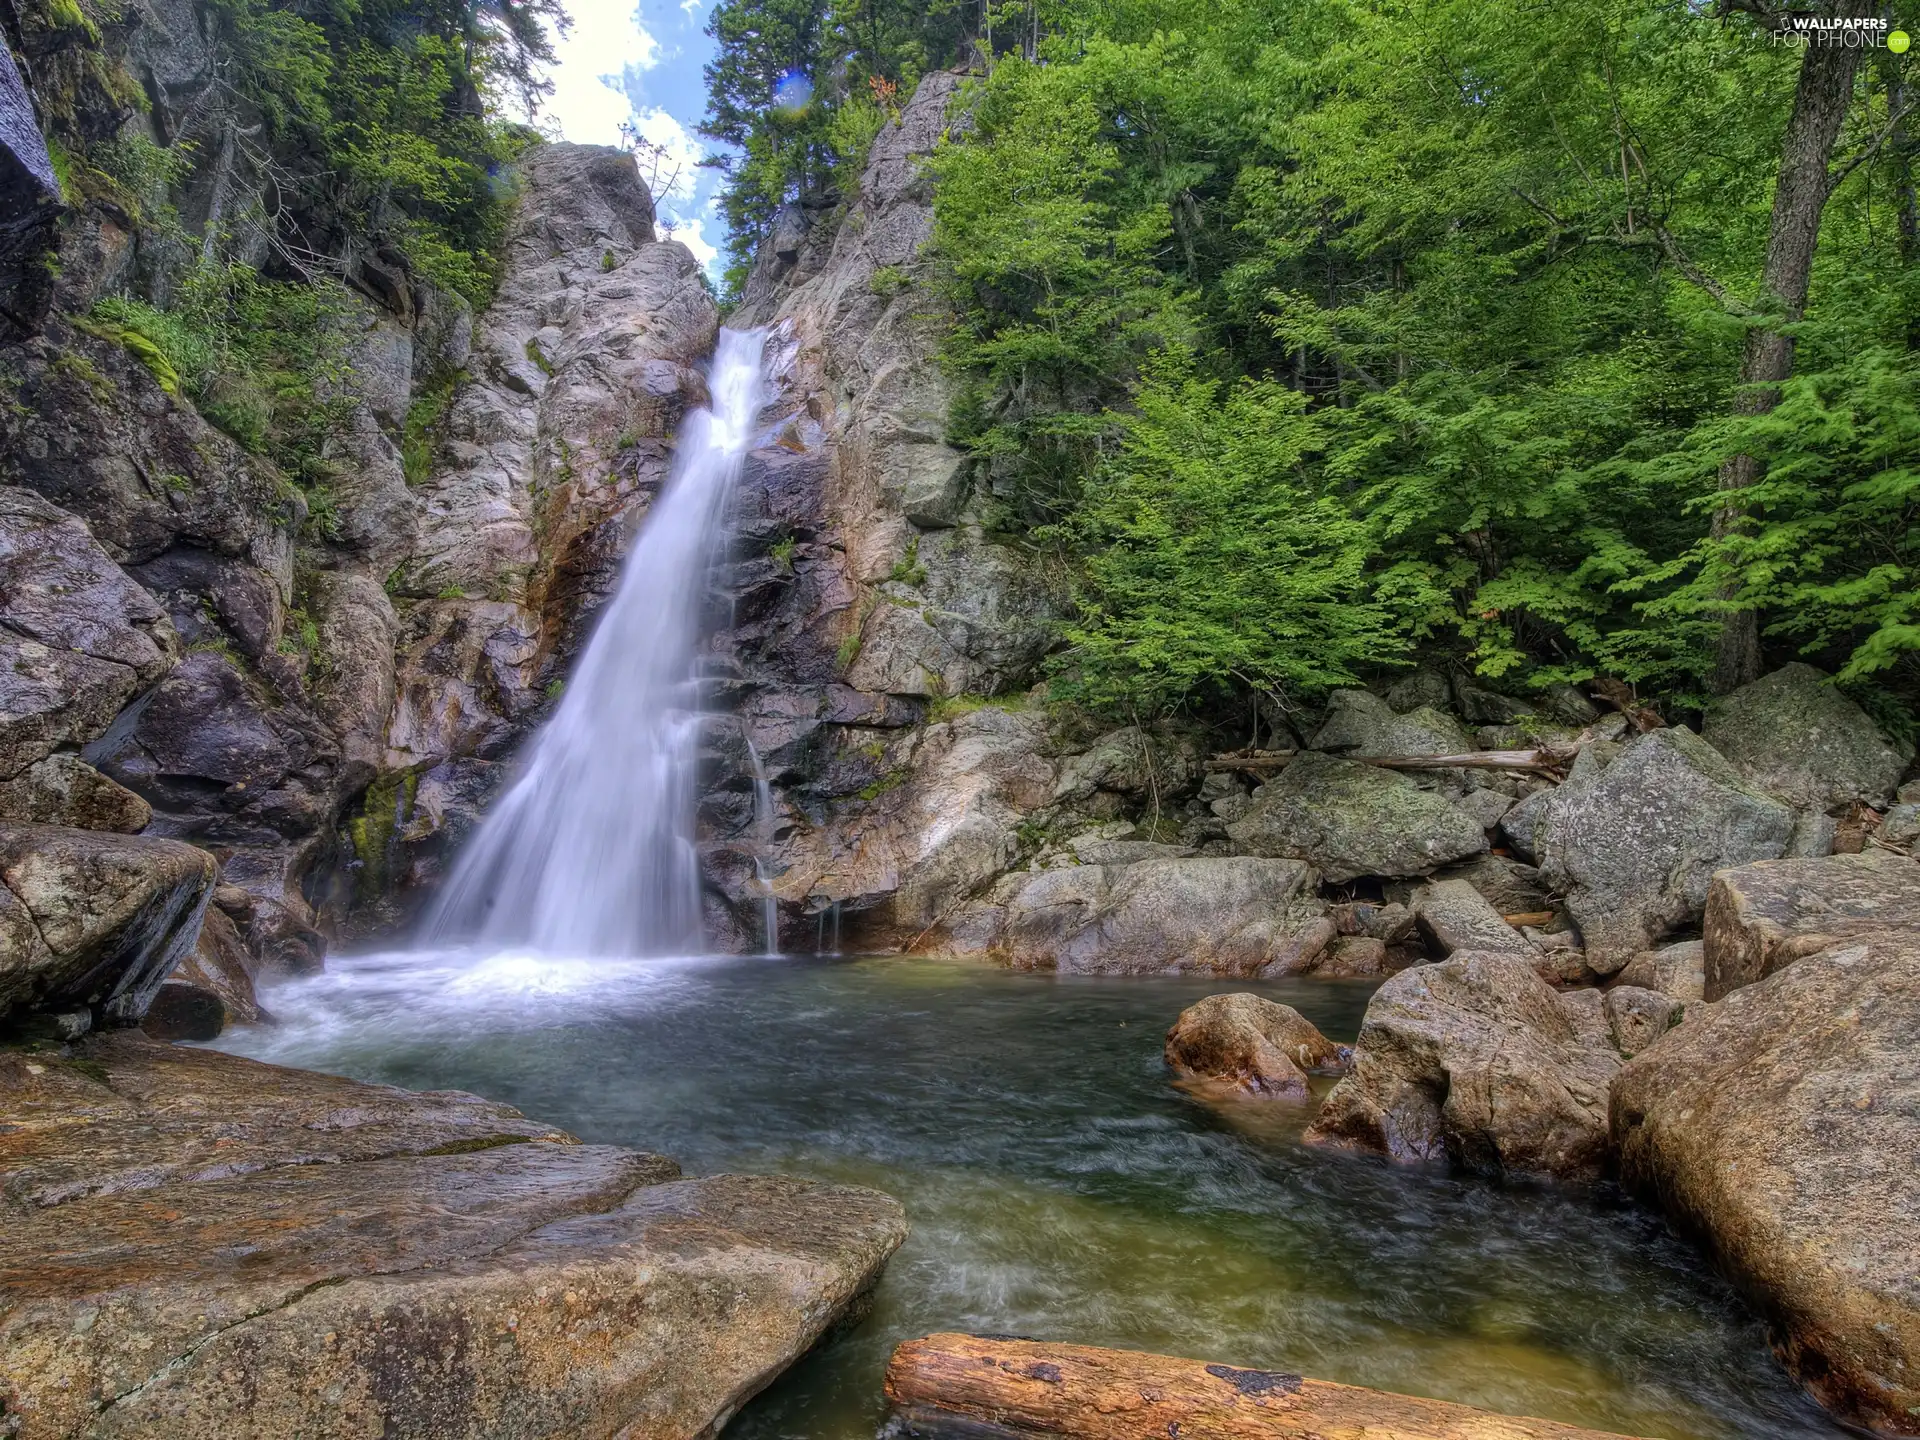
<point x="591" y="852"/>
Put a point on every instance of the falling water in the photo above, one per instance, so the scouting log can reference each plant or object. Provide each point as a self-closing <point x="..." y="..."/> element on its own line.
<point x="591" y="851"/>
<point x="763" y="851"/>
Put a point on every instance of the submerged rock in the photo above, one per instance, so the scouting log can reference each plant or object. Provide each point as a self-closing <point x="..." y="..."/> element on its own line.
<point x="1633" y="845"/>
<point x="1763" y="917"/>
<point x="1349" y="820"/>
<point x="1251" y="1044"/>
<point x="179" y="1264"/>
<point x="1794" y="735"/>
<point x="1479" y="1061"/>
<point x="1781" y="1125"/>
<point x="1227" y="916"/>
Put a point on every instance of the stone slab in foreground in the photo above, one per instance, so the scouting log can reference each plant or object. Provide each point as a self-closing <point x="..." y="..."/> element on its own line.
<point x="201" y="1244"/>
<point x="1762" y="917"/>
<point x="1783" y="1126"/>
<point x="954" y="1385"/>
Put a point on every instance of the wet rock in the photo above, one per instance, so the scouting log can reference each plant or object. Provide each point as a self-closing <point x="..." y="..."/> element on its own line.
<point x="1763" y="917"/>
<point x="211" y="597"/>
<point x="94" y="920"/>
<point x="1455" y="916"/>
<point x="456" y="1270"/>
<point x="1353" y="957"/>
<point x="1780" y="1125"/>
<point x="1479" y="1061"/>
<point x="1633" y="845"/>
<point x="78" y="638"/>
<point x="1350" y="820"/>
<point x="64" y="790"/>
<point x="1229" y="916"/>
<point x="1677" y="971"/>
<point x="210" y="989"/>
<point x="1251" y="1044"/>
<point x="1794" y="735"/>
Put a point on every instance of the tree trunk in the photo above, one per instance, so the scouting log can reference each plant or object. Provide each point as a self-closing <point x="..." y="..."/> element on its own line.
<point x="968" y="1385"/>
<point x="1800" y="194"/>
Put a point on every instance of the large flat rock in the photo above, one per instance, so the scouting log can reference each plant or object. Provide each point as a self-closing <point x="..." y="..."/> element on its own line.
<point x="1782" y="1125"/>
<point x="201" y="1244"/>
<point x="1762" y="917"/>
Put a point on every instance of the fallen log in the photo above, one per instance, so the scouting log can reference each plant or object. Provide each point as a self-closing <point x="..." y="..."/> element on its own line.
<point x="1544" y="761"/>
<point x="1002" y="1389"/>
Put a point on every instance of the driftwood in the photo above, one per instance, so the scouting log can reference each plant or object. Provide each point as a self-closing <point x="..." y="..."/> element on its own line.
<point x="1549" y="762"/>
<point x="999" y="1389"/>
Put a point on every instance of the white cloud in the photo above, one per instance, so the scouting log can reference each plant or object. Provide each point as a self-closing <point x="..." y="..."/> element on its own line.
<point x="674" y="173"/>
<point x="606" y="44"/>
<point x="692" y="234"/>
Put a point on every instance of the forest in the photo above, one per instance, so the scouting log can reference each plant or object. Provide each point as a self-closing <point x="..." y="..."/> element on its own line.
<point x="1546" y="341"/>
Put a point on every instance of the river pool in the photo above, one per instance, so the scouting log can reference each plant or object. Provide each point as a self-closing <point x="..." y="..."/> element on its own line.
<point x="1060" y="1186"/>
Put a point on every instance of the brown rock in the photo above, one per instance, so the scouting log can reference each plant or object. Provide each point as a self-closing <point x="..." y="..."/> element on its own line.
<point x="1353" y="957"/>
<point x="1252" y="1043"/>
<point x="94" y="920"/>
<point x="1781" y="1125"/>
<point x="1678" y="970"/>
<point x="1479" y="1061"/>
<point x="443" y="1275"/>
<point x="1767" y="915"/>
<point x="1636" y="1018"/>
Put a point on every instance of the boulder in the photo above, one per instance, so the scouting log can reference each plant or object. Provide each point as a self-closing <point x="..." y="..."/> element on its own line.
<point x="1634" y="844"/>
<point x="1455" y="916"/>
<point x="1522" y="825"/>
<point x="1901" y="826"/>
<point x="1479" y="1061"/>
<point x="63" y="789"/>
<point x="1676" y="971"/>
<point x="1794" y="735"/>
<point x="1252" y="1045"/>
<point x="1781" y="1126"/>
<point x="1349" y="820"/>
<point x="1763" y="917"/>
<point x="1354" y="957"/>
<point x="1364" y="724"/>
<point x="95" y="920"/>
<point x="178" y="1263"/>
<point x="1233" y="915"/>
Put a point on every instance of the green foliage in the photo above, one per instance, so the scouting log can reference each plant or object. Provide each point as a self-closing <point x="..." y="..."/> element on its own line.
<point x="908" y="570"/>
<point x="1211" y="555"/>
<point x="423" y="420"/>
<point x="781" y="553"/>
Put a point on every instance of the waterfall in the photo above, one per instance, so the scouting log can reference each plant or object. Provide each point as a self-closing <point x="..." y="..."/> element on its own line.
<point x="763" y="851"/>
<point x="591" y="851"/>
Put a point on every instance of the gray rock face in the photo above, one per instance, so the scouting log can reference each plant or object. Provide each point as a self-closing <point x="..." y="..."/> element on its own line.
<point x="1362" y="723"/>
<point x="456" y="1270"/>
<point x="1763" y="917"/>
<point x="1233" y="916"/>
<point x="95" y="921"/>
<point x="1634" y="846"/>
<point x="1795" y="736"/>
<point x="1478" y="1061"/>
<point x="1251" y="1045"/>
<point x="210" y="989"/>
<point x="1781" y="1125"/>
<point x="1350" y="820"/>
<point x="77" y="637"/>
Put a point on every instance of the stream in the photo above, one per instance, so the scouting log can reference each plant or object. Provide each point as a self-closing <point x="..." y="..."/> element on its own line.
<point x="1061" y="1186"/>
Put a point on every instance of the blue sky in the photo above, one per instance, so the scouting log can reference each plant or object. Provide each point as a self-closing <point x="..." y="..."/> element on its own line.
<point x="642" y="63"/>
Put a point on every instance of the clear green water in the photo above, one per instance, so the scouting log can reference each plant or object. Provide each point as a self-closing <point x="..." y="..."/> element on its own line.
<point x="1060" y="1186"/>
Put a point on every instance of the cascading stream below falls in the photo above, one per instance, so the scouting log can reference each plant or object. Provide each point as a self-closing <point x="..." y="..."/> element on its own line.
<point x="591" y="851"/>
